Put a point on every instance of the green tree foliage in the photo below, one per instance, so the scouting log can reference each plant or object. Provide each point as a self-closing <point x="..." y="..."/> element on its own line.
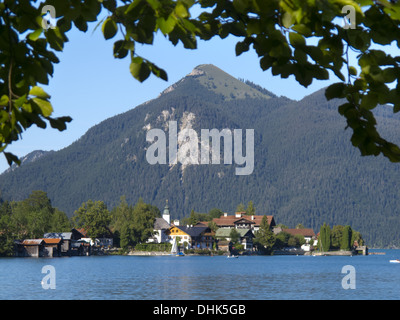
<point x="357" y="237"/>
<point x="264" y="238"/>
<point x="6" y="230"/>
<point x="346" y="238"/>
<point x="234" y="235"/>
<point x="307" y="40"/>
<point x="214" y="213"/>
<point x="284" y="239"/>
<point x="343" y="237"/>
<point x="296" y="241"/>
<point x="307" y="174"/>
<point x="126" y="238"/>
<point x="134" y="223"/>
<point x="250" y="210"/>
<point x="143" y="221"/>
<point x="60" y="221"/>
<point x="336" y="236"/>
<point x="35" y="216"/>
<point x="325" y="237"/>
<point x="193" y="218"/>
<point x="213" y="226"/>
<point x="196" y="217"/>
<point x="94" y="217"/>
<point x="29" y="218"/>
<point x="120" y="214"/>
<point x="240" y="207"/>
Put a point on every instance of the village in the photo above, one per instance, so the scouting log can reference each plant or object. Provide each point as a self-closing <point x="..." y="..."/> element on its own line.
<point x="231" y="234"/>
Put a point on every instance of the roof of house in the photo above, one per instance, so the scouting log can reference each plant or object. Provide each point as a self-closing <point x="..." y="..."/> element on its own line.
<point x="83" y="232"/>
<point x="201" y="224"/>
<point x="225" y="232"/>
<point x="305" y="232"/>
<point x="193" y="231"/>
<point x="244" y="220"/>
<point x="32" y="242"/>
<point x="160" y="224"/>
<point x="230" y="220"/>
<point x="52" y="240"/>
<point x="66" y="235"/>
<point x="224" y="243"/>
<point x="55" y="235"/>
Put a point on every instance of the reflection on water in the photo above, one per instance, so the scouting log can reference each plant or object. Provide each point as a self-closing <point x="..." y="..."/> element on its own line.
<point x="197" y="278"/>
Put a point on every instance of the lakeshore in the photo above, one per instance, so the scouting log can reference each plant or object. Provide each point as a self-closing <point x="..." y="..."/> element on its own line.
<point x="196" y="277"/>
<point x="224" y="234"/>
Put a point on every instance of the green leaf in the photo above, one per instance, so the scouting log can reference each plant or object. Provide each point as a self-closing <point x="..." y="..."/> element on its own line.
<point x="296" y="40"/>
<point x="59" y="123"/>
<point x="139" y="69"/>
<point x="336" y="90"/>
<point x="353" y="71"/>
<point x="181" y="11"/>
<point x="155" y="4"/>
<point x="20" y="101"/>
<point x="38" y="92"/>
<point x="158" y="72"/>
<point x="240" y="5"/>
<point x="54" y="39"/>
<point x="369" y="101"/>
<point x="35" y="34"/>
<point x="287" y="20"/>
<point x="358" y="137"/>
<point x="242" y="46"/>
<point x="166" y="26"/>
<point x="4" y="100"/>
<point x="109" y="28"/>
<point x="132" y="6"/>
<point x="11" y="158"/>
<point x="119" y="49"/>
<point x="45" y="106"/>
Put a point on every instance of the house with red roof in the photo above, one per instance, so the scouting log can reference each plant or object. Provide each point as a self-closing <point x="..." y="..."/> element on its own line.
<point x="242" y="221"/>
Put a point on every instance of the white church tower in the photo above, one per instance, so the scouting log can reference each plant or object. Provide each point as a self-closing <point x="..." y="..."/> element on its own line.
<point x="166" y="216"/>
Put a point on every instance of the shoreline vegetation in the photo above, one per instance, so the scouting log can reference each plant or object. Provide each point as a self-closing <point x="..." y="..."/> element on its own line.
<point x="126" y="230"/>
<point x="211" y="253"/>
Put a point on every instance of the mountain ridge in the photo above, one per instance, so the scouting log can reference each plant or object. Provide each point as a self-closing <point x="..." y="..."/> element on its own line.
<point x="306" y="170"/>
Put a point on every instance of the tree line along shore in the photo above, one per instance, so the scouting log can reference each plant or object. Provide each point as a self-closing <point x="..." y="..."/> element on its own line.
<point x="131" y="227"/>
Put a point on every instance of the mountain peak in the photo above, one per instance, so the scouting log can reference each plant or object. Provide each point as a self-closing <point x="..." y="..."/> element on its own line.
<point x="223" y="83"/>
<point x="203" y="69"/>
<point x="220" y="82"/>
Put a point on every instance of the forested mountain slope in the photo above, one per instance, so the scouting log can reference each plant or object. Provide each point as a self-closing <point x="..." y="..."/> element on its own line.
<point x="306" y="170"/>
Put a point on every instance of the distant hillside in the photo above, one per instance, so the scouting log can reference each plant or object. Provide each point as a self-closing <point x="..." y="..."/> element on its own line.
<point x="306" y="170"/>
<point x="30" y="157"/>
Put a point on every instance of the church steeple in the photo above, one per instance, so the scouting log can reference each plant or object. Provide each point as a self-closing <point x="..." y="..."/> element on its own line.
<point x="166" y="216"/>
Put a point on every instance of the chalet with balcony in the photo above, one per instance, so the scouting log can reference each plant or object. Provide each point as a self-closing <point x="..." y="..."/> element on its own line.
<point x="200" y="237"/>
<point x="242" y="221"/>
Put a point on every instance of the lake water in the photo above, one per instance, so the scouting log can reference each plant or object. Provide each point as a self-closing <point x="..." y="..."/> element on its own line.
<point x="202" y="278"/>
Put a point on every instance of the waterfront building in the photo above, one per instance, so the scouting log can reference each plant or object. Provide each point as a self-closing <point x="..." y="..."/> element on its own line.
<point x="242" y="221"/>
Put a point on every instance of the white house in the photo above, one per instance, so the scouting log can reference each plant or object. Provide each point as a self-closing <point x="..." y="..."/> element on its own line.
<point x="308" y="235"/>
<point x="161" y="225"/>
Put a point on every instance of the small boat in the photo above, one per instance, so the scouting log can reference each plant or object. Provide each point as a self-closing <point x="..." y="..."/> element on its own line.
<point x="174" y="249"/>
<point x="230" y="257"/>
<point x="180" y="254"/>
<point x="395" y="261"/>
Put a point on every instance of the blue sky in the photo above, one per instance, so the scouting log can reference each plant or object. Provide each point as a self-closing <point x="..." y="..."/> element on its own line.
<point x="90" y="85"/>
